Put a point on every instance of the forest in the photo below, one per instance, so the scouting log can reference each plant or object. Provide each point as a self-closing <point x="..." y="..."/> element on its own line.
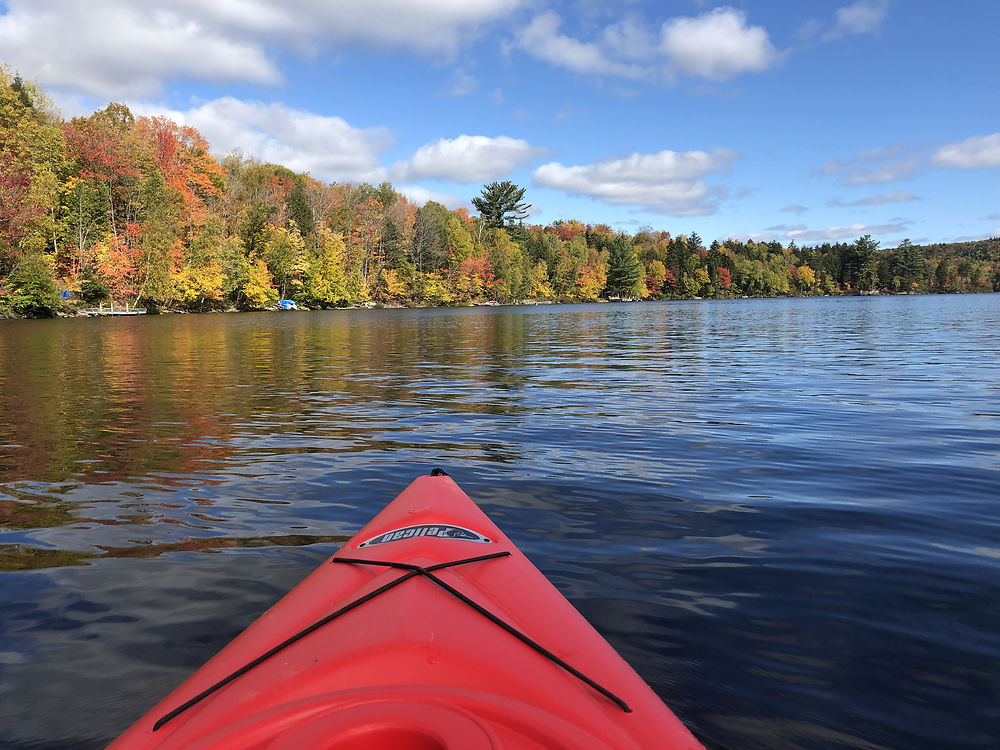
<point x="125" y="209"/>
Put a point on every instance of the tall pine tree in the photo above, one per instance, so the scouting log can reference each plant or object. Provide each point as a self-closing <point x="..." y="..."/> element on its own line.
<point x="502" y="203"/>
<point x="624" y="270"/>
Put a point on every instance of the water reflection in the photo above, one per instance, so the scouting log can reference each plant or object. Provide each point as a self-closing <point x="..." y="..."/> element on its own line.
<point x="779" y="511"/>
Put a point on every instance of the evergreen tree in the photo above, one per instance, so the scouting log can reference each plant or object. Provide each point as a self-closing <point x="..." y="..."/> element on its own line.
<point x="501" y="203"/>
<point x="909" y="264"/>
<point x="299" y="209"/>
<point x="942" y="273"/>
<point x="694" y="242"/>
<point x="859" y="260"/>
<point x="30" y="290"/>
<point x="624" y="270"/>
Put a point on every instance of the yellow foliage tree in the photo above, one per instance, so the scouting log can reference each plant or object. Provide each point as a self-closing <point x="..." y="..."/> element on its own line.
<point x="436" y="290"/>
<point x="259" y="290"/>
<point x="807" y="276"/>
<point x="540" y="287"/>
<point x="194" y="286"/>
<point x="285" y="251"/>
<point x="327" y="279"/>
<point x="593" y="277"/>
<point x="459" y="240"/>
<point x="32" y="146"/>
<point x="389" y="287"/>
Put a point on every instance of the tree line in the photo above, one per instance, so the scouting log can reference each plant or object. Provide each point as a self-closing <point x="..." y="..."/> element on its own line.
<point x="112" y="207"/>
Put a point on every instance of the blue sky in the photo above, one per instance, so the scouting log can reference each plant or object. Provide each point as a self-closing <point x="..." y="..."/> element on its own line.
<point x="805" y="121"/>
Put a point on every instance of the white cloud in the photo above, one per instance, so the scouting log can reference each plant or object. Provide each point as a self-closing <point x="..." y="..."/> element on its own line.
<point x="630" y="39"/>
<point x="809" y="29"/>
<point x="746" y="237"/>
<point x="851" y="232"/>
<point x="420" y="195"/>
<point x="541" y="39"/>
<point x="717" y="45"/>
<point x="425" y="26"/>
<point x="896" y="196"/>
<point x="880" y="153"/>
<point x="117" y="48"/>
<point x="977" y="152"/>
<point x="327" y="147"/>
<point x="862" y="17"/>
<point x="68" y="45"/>
<point x="796" y="208"/>
<point x="972" y="237"/>
<point x="896" y="171"/>
<point x="462" y="83"/>
<point x="71" y="106"/>
<point x="896" y="163"/>
<point x="467" y="158"/>
<point x="904" y="161"/>
<point x="668" y="182"/>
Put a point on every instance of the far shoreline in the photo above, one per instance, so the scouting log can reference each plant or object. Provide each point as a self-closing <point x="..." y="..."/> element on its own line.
<point x="67" y="315"/>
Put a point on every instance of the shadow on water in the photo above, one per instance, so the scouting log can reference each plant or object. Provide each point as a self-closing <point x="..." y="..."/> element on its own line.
<point x="781" y="512"/>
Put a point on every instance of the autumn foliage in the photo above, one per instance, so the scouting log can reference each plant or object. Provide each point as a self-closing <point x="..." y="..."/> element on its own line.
<point x="138" y="210"/>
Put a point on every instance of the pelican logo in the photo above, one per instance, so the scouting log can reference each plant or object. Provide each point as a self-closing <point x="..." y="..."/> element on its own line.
<point x="438" y="530"/>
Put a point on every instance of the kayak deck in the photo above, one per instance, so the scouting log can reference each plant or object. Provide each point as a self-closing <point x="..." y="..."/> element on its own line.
<point x="428" y="630"/>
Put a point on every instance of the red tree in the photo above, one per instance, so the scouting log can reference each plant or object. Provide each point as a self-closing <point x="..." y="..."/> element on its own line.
<point x="724" y="277"/>
<point x="16" y="211"/>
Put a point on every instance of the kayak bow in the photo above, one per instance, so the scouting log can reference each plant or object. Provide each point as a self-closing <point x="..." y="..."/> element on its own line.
<point x="428" y="630"/>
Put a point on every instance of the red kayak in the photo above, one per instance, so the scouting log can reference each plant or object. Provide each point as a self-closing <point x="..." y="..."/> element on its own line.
<point x="429" y="630"/>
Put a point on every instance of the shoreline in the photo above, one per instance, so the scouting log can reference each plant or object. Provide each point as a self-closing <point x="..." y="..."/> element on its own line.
<point x="402" y="306"/>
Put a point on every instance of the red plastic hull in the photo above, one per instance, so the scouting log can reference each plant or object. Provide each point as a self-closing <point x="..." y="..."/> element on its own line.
<point x="415" y="668"/>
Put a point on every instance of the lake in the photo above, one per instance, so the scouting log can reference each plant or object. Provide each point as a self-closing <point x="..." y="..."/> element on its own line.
<point x="785" y="514"/>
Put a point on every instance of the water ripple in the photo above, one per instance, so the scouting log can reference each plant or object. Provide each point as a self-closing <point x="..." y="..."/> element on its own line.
<point x="781" y="512"/>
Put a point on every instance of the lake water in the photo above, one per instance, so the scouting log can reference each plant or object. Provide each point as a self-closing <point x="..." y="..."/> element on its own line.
<point x="785" y="514"/>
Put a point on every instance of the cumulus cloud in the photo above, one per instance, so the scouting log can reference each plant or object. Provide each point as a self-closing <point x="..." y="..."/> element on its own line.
<point x="327" y="147"/>
<point x="977" y="152"/>
<point x="862" y="17"/>
<point x="630" y="39"/>
<point x="717" y="45"/>
<point x="667" y="182"/>
<point x="467" y="158"/>
<point x="796" y="208"/>
<point x="896" y="196"/>
<point x="425" y="26"/>
<point x="71" y="45"/>
<point x="420" y="196"/>
<point x="541" y="39"/>
<point x="67" y="44"/>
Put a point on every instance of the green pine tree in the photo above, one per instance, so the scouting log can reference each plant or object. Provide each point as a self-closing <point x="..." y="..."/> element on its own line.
<point x="624" y="270"/>
<point x="501" y="203"/>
